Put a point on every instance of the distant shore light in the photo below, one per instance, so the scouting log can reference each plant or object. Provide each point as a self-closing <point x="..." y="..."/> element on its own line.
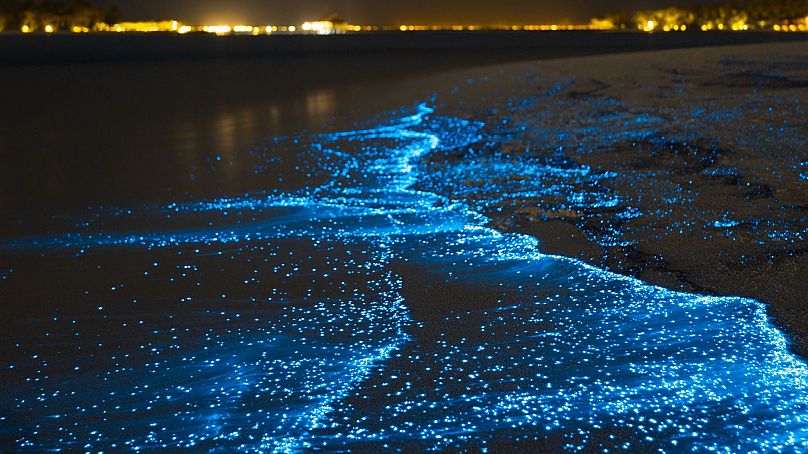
<point x="217" y="29"/>
<point x="645" y="22"/>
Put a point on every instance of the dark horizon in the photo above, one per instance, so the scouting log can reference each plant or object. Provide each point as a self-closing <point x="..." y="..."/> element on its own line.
<point x="441" y="12"/>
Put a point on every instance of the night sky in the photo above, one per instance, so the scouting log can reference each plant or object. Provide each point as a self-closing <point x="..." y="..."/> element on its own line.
<point x="430" y="12"/>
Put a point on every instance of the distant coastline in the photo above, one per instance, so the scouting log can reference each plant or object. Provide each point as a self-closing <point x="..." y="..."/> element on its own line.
<point x="83" y="16"/>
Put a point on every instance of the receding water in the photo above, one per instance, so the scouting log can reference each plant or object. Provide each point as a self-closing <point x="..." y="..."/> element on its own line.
<point x="357" y="313"/>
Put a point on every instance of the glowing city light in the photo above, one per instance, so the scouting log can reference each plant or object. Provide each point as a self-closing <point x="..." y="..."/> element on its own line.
<point x="217" y="29"/>
<point x="321" y="27"/>
<point x="659" y="21"/>
<point x="168" y="26"/>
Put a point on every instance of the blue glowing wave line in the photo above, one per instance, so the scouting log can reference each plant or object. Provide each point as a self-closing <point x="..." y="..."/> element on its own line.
<point x="333" y="203"/>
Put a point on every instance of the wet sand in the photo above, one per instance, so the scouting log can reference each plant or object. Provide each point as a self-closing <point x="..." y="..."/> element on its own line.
<point x="686" y="168"/>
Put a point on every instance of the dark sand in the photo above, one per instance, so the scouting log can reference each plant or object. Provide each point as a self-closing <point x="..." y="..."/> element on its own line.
<point x="685" y="168"/>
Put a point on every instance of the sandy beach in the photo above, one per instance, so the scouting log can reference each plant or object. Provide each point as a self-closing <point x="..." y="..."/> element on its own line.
<point x="685" y="168"/>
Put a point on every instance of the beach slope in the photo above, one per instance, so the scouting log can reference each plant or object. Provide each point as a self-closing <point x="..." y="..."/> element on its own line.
<point x="685" y="168"/>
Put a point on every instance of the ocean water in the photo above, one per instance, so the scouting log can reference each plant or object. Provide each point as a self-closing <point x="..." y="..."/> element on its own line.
<point x="349" y="311"/>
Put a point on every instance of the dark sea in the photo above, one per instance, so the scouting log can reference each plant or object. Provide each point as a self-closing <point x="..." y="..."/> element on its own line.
<point x="230" y="254"/>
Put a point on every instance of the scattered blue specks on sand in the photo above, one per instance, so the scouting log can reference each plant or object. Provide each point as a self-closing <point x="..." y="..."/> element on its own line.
<point x="365" y="314"/>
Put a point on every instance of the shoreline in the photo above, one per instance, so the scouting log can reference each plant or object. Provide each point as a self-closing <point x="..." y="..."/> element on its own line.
<point x="682" y="168"/>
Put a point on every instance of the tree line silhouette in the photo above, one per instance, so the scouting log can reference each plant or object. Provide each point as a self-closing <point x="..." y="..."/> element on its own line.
<point x="753" y="12"/>
<point x="61" y="15"/>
